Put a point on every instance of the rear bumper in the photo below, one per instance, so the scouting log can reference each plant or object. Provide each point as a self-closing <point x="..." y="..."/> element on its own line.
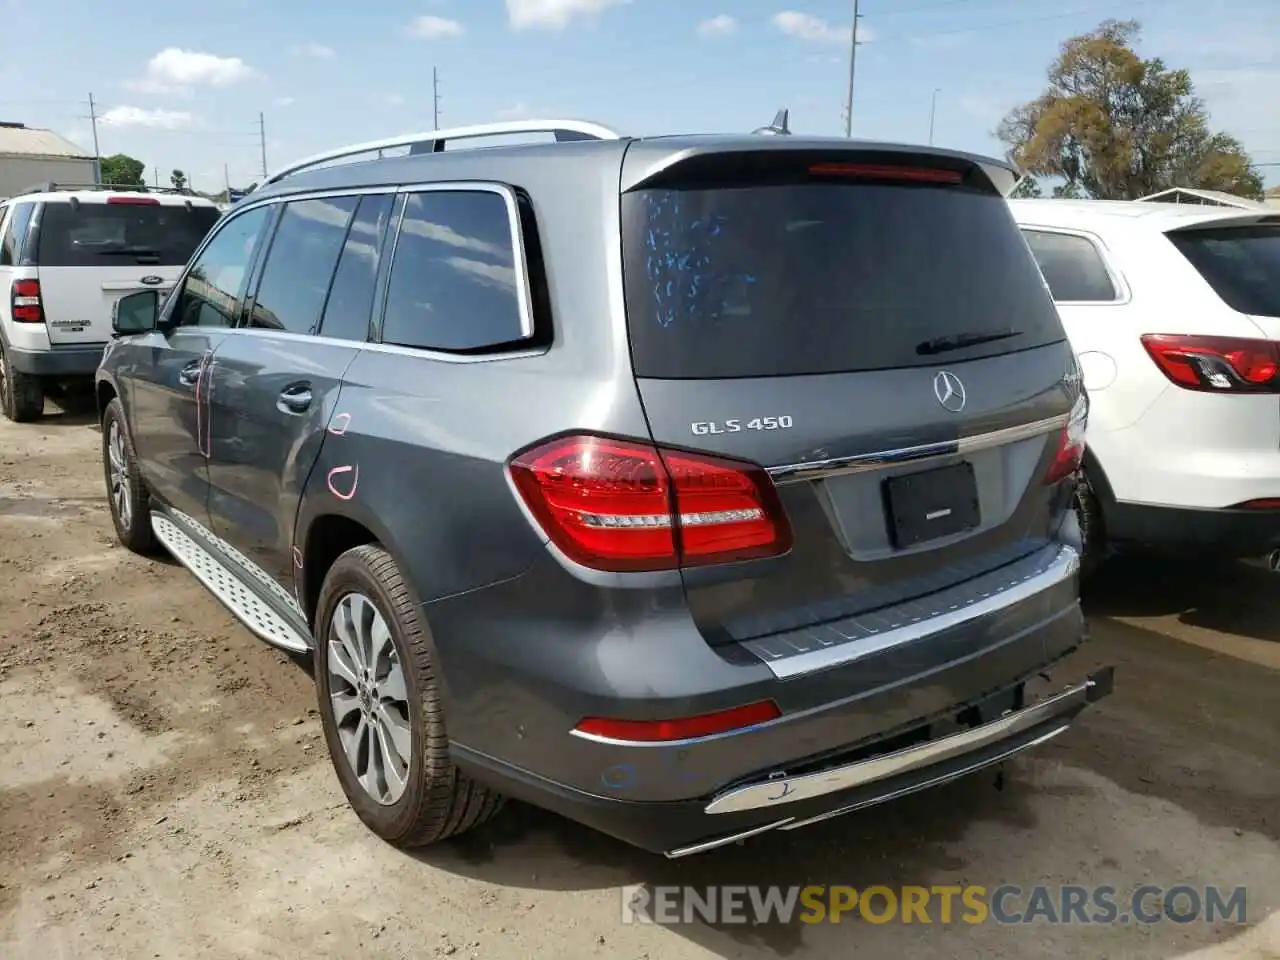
<point x="788" y="802"/>
<point x="1229" y="533"/>
<point x="71" y="360"/>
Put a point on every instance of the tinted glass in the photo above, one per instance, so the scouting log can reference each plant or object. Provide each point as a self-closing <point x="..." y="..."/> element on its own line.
<point x="102" y="234"/>
<point x="1072" y="266"/>
<point x="213" y="293"/>
<point x="300" y="263"/>
<point x="823" y="278"/>
<point x="1242" y="264"/>
<point x="453" y="279"/>
<point x="346" y="315"/>
<point x="15" y="235"/>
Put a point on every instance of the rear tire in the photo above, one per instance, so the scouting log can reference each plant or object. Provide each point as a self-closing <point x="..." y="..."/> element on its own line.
<point x="396" y="695"/>
<point x="21" y="394"/>
<point x="1093" y="531"/>
<point x="127" y="495"/>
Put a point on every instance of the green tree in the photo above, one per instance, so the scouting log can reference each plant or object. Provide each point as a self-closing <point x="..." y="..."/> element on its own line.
<point x="178" y="179"/>
<point x="1028" y="187"/>
<point x="1117" y="127"/>
<point x="122" y="170"/>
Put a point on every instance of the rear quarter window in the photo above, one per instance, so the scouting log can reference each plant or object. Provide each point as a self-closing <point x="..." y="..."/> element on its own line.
<point x="824" y="278"/>
<point x="13" y="245"/>
<point x="1241" y="264"/>
<point x="103" y="234"/>
<point x="1072" y="266"/>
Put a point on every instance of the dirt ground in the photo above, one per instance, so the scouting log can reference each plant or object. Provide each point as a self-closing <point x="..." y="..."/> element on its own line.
<point x="165" y="791"/>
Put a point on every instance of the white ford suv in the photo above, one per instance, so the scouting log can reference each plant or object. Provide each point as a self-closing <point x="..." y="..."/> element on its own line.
<point x="66" y="256"/>
<point x="1174" y="313"/>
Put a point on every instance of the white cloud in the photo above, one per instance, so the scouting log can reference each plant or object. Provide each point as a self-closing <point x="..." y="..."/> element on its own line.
<point x="717" y="26"/>
<point x="142" y="117"/>
<point x="811" y="29"/>
<point x="176" y="70"/>
<point x="434" y="28"/>
<point x="554" y="14"/>
<point x="317" y="51"/>
<point x="520" y="111"/>
<point x="284" y="101"/>
<point x="393" y="100"/>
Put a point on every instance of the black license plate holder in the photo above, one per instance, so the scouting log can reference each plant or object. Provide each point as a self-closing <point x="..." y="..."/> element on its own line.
<point x="932" y="504"/>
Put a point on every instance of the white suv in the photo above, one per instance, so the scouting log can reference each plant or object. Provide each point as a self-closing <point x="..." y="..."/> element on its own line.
<point x="66" y="257"/>
<point x="1174" y="313"/>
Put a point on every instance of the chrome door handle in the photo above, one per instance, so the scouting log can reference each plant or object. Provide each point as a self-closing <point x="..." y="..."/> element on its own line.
<point x="295" y="399"/>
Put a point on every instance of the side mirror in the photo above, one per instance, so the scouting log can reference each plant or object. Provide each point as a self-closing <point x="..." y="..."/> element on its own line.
<point x="136" y="313"/>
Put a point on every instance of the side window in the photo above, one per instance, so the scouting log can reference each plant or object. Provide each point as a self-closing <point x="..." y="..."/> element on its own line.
<point x="1072" y="266"/>
<point x="346" y="315"/>
<point x="300" y="263"/>
<point x="15" y="234"/>
<point x="213" y="294"/>
<point x="454" y="281"/>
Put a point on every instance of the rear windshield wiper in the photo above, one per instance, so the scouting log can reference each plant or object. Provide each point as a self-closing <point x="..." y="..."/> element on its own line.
<point x="961" y="340"/>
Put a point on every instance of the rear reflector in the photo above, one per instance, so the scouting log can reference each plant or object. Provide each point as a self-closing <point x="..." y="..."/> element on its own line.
<point x="1216" y="364"/>
<point x="683" y="728"/>
<point x="24" y="302"/>
<point x="609" y="504"/>
<point x="874" y="171"/>
<point x="135" y="201"/>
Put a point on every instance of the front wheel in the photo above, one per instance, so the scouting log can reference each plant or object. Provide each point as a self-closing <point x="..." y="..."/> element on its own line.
<point x="126" y="494"/>
<point x="381" y="709"/>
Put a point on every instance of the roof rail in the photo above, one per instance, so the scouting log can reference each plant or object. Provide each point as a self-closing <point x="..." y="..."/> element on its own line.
<point x="433" y="141"/>
<point x="50" y="186"/>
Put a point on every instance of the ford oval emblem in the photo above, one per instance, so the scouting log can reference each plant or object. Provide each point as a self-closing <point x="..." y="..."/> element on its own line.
<point x="152" y="280"/>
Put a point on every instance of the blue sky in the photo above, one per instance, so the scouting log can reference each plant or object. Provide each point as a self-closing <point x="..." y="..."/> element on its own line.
<point x="182" y="84"/>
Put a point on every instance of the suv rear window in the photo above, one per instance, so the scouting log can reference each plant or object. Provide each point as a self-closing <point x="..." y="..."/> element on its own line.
<point x="100" y="234"/>
<point x="824" y="278"/>
<point x="1242" y="264"/>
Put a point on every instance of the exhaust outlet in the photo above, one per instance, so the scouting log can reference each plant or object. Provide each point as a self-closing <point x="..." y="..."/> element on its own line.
<point x="1273" y="561"/>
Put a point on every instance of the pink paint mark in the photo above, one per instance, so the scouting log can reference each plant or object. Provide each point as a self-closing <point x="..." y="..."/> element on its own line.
<point x="340" y="423"/>
<point x="297" y="558"/>
<point x="338" y="472"/>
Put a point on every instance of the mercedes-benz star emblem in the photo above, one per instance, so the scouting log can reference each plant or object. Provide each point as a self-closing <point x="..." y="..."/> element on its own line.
<point x="949" y="391"/>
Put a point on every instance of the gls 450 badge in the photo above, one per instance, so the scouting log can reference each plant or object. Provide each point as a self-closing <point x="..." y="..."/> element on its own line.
<point x="702" y="428"/>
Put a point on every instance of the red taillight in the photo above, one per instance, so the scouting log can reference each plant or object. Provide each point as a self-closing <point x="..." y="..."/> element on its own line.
<point x="135" y="201"/>
<point x="608" y="504"/>
<point x="879" y="171"/>
<point x="1216" y="364"/>
<point x="1264" y="503"/>
<point x="24" y="302"/>
<point x="682" y="728"/>
<point x="1069" y="453"/>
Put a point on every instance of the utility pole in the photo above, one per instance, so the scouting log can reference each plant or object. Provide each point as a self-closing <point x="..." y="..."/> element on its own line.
<point x="262" y="136"/>
<point x="226" y="180"/>
<point x="853" y="62"/>
<point x="435" y="99"/>
<point x="97" y="154"/>
<point x="933" y="110"/>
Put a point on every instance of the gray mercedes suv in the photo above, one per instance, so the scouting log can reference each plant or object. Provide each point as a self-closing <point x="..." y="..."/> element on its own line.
<point x="691" y="486"/>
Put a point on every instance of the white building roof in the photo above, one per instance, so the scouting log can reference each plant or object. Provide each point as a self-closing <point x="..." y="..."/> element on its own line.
<point x="1193" y="195"/>
<point x="18" y="140"/>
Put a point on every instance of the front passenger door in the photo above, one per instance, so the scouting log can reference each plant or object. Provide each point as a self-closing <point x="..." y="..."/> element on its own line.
<point x="166" y="372"/>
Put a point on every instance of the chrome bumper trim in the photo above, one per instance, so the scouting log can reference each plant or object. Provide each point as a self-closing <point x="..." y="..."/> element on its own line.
<point x="862" y="462"/>
<point x="949" y="608"/>
<point x="785" y="790"/>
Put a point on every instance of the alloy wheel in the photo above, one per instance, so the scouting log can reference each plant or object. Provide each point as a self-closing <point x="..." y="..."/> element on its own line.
<point x="369" y="698"/>
<point x="118" y="464"/>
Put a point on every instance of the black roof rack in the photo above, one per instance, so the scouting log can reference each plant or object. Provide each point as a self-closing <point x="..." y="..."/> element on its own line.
<point x="50" y="186"/>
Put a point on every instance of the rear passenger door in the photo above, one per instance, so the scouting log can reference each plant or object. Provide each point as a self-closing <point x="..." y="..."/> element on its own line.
<point x="276" y="381"/>
<point x="1090" y="296"/>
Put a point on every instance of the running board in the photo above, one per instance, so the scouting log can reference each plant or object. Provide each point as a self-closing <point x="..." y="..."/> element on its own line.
<point x="249" y="608"/>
